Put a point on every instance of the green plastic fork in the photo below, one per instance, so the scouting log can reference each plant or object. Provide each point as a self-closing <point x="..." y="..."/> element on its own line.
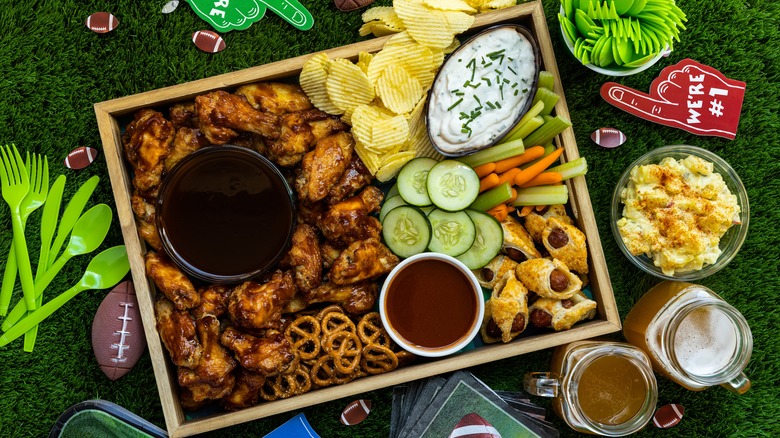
<point x="15" y="185"/>
<point x="39" y="187"/>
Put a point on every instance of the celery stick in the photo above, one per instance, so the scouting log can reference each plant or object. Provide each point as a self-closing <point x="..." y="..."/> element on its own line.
<point x="527" y="128"/>
<point x="542" y="195"/>
<point x="494" y="153"/>
<point x="572" y="168"/>
<point x="546" y="80"/>
<point x="495" y="196"/>
<point x="548" y="149"/>
<point x="547" y="132"/>
<point x="548" y="97"/>
<point x="532" y="112"/>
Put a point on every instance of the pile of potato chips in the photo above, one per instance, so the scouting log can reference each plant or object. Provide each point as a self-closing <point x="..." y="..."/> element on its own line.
<point x="383" y="95"/>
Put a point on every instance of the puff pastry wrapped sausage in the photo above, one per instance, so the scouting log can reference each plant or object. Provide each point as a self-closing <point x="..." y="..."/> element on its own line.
<point x="561" y="314"/>
<point x="518" y="244"/>
<point x="566" y="243"/>
<point x="506" y="312"/>
<point x="535" y="222"/>
<point x="489" y="275"/>
<point x="548" y="278"/>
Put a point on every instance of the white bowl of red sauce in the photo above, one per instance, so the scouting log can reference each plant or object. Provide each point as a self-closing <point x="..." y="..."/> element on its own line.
<point x="431" y="304"/>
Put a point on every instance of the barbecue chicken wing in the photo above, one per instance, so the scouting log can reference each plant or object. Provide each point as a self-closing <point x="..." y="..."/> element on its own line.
<point x="305" y="258"/>
<point x="355" y="177"/>
<point x="300" y="131"/>
<point x="147" y="142"/>
<point x="362" y="260"/>
<point x="275" y="97"/>
<point x="258" y="306"/>
<point x="322" y="167"/>
<point x="171" y="281"/>
<point x="177" y="331"/>
<point x="221" y="114"/>
<point x="146" y="218"/>
<point x="268" y="355"/>
<point x="349" y="220"/>
<point x="355" y="298"/>
<point x="212" y="378"/>
<point x="183" y="114"/>
<point x="213" y="300"/>
<point x="246" y="393"/>
<point x="185" y="142"/>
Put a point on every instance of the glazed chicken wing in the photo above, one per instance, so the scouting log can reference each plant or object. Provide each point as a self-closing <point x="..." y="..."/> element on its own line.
<point x="349" y="220"/>
<point x="246" y="393"/>
<point x="185" y="142"/>
<point x="362" y="260"/>
<point x="354" y="178"/>
<point x="146" y="218"/>
<point x="177" y="331"/>
<point x="147" y="142"/>
<point x="300" y="131"/>
<point x="258" y="306"/>
<point x="355" y="298"/>
<point x="183" y="114"/>
<point x="212" y="378"/>
<point x="305" y="258"/>
<point x="268" y="355"/>
<point x="171" y="281"/>
<point x="213" y="300"/>
<point x="275" y="97"/>
<point x="221" y="114"/>
<point x="322" y="167"/>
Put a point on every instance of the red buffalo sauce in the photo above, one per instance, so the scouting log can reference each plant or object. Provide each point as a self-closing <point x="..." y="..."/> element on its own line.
<point x="431" y="304"/>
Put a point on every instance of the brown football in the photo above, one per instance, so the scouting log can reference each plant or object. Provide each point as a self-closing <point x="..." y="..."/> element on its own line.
<point x="351" y="5"/>
<point x="118" y="339"/>
<point x="356" y="412"/>
<point x="102" y="22"/>
<point x="608" y="137"/>
<point x="208" y="41"/>
<point x="80" y="157"/>
<point x="668" y="416"/>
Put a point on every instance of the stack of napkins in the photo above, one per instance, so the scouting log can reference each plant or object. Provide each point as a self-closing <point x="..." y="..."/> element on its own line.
<point x="463" y="405"/>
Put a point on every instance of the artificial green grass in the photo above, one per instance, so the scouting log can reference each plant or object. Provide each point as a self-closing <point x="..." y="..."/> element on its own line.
<point x="54" y="69"/>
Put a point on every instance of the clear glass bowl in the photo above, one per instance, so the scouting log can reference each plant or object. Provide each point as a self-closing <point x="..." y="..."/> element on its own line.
<point x="731" y="241"/>
<point x="616" y="70"/>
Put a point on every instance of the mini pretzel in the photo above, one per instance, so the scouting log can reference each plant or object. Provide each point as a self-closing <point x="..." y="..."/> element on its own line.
<point x="378" y="359"/>
<point x="345" y="347"/>
<point x="404" y="357"/>
<point x="323" y="373"/>
<point x="286" y="385"/>
<point x="332" y="308"/>
<point x="371" y="331"/>
<point x="335" y="322"/>
<point x="304" y="335"/>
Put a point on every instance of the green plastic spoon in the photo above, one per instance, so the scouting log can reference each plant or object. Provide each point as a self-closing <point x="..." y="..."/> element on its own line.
<point x="87" y="235"/>
<point x="71" y="215"/>
<point x="104" y="271"/>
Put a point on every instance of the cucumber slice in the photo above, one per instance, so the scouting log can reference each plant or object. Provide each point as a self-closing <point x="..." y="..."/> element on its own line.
<point x="452" y="185"/>
<point x="406" y="231"/>
<point x="412" y="181"/>
<point x="389" y="204"/>
<point x="453" y="232"/>
<point x="393" y="191"/>
<point x="488" y="242"/>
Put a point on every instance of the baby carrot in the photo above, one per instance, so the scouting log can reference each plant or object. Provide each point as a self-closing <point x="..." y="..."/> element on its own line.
<point x="543" y="179"/>
<point x="528" y="174"/>
<point x="499" y="212"/>
<point x="488" y="182"/>
<point x="530" y="154"/>
<point x="526" y="210"/>
<point x="485" y="169"/>
<point x="509" y="175"/>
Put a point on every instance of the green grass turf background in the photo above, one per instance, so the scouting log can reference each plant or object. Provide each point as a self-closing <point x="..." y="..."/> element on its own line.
<point x="52" y="70"/>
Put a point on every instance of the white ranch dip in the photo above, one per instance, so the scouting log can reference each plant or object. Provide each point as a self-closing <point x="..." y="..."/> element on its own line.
<point x="481" y="90"/>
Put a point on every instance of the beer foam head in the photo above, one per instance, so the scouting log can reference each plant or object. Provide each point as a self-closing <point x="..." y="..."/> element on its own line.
<point x="705" y="342"/>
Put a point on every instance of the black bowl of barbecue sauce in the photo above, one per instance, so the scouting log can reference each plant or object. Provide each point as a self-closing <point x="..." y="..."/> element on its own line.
<point x="225" y="214"/>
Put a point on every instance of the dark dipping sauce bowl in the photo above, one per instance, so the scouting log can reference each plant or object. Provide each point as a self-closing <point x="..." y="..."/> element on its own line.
<point x="225" y="214"/>
<point x="431" y="305"/>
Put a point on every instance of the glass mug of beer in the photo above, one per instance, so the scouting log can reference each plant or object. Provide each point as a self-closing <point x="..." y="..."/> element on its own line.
<point x="692" y="336"/>
<point x="600" y="387"/>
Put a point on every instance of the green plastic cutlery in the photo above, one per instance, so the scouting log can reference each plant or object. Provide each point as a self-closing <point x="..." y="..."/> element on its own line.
<point x="71" y="214"/>
<point x="105" y="270"/>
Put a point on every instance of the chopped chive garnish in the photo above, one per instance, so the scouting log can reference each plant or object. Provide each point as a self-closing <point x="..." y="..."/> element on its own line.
<point x="514" y="85"/>
<point x="512" y="70"/>
<point x="525" y="90"/>
<point x="488" y="81"/>
<point x="455" y="104"/>
<point x="516" y="91"/>
<point x="491" y="55"/>
<point x="478" y="101"/>
<point x="460" y="93"/>
<point x="487" y="65"/>
<point x="506" y="81"/>
<point x="490" y="105"/>
<point x="473" y="66"/>
<point x="498" y="104"/>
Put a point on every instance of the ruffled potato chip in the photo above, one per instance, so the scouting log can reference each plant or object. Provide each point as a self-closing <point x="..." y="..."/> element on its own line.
<point x="392" y="164"/>
<point x="389" y="135"/>
<point x="398" y="90"/>
<point x="427" y="26"/>
<point x="313" y="76"/>
<point x="385" y="14"/>
<point x="450" y="5"/>
<point x="378" y="29"/>
<point x="347" y="85"/>
<point x="364" y="58"/>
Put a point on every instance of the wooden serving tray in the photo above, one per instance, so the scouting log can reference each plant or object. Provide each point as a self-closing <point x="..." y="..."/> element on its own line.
<point x="112" y="114"/>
